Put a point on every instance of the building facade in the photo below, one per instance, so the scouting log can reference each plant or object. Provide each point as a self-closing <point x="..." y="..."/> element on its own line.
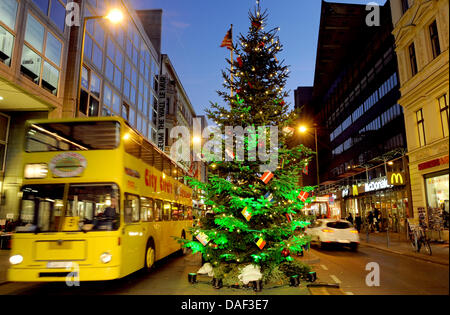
<point x="34" y="49"/>
<point x="422" y="44"/>
<point x="360" y="125"/>
<point x="40" y="67"/>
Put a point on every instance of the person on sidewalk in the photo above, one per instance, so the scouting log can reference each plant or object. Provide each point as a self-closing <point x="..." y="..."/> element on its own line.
<point x="350" y="218"/>
<point x="377" y="220"/>
<point x="370" y="221"/>
<point x="358" y="222"/>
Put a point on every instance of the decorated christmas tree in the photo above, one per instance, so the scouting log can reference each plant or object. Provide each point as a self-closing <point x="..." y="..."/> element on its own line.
<point x="256" y="213"/>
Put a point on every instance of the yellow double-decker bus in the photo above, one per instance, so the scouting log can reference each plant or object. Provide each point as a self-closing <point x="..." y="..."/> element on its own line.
<point x="98" y="202"/>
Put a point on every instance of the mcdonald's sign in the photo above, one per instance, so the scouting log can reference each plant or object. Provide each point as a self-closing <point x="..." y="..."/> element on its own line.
<point x="397" y="179"/>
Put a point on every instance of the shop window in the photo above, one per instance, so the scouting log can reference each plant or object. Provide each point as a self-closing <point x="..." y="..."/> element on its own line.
<point x="437" y="186"/>
<point x="443" y="107"/>
<point x="421" y="128"/>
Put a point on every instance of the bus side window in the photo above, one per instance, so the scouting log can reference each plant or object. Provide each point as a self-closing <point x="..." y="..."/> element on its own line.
<point x="175" y="208"/>
<point x="181" y="212"/>
<point x="166" y="213"/>
<point x="158" y="210"/>
<point x="131" y="208"/>
<point x="147" y="209"/>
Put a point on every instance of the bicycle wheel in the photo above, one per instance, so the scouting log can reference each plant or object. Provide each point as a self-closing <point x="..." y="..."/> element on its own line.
<point x="427" y="246"/>
<point x="412" y="240"/>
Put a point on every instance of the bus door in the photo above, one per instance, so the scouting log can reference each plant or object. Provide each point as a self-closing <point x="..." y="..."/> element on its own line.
<point x="133" y="236"/>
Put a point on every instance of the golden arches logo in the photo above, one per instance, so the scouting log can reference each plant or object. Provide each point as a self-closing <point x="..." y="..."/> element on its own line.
<point x="397" y="179"/>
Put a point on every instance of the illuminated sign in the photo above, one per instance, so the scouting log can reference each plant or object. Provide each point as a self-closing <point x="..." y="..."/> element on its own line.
<point x="378" y="184"/>
<point x="396" y="179"/>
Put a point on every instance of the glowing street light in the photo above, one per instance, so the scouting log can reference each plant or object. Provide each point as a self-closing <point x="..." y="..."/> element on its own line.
<point x="114" y="16"/>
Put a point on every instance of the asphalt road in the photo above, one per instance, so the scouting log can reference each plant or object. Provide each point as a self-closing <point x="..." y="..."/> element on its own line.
<point x="399" y="275"/>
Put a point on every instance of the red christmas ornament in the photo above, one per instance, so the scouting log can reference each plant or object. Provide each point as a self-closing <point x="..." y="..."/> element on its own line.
<point x="285" y="252"/>
<point x="256" y="24"/>
<point x="239" y="60"/>
<point x="262" y="44"/>
<point x="250" y="85"/>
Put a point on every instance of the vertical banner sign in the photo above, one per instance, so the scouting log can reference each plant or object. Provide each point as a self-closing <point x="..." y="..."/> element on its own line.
<point x="162" y="91"/>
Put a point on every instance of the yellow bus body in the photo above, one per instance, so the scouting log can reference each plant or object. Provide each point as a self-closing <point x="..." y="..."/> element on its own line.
<point x="127" y="245"/>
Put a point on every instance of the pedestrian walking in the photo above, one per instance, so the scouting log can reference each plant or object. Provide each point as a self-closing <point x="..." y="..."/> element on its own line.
<point x="370" y="220"/>
<point x="350" y="218"/>
<point x="358" y="222"/>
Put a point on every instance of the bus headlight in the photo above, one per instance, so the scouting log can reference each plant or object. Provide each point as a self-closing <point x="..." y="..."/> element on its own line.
<point x="16" y="259"/>
<point x="33" y="171"/>
<point x="105" y="258"/>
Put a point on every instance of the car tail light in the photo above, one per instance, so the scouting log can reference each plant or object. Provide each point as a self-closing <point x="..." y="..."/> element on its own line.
<point x="327" y="231"/>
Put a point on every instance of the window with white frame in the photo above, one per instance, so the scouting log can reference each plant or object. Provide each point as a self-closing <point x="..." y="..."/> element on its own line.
<point x="41" y="55"/>
<point x="8" y="14"/>
<point x="55" y="10"/>
<point x="90" y="93"/>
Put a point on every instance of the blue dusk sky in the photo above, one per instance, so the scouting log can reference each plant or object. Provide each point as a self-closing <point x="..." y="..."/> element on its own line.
<point x="194" y="29"/>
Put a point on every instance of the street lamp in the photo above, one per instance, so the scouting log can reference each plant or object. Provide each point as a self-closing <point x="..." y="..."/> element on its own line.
<point x="114" y="16"/>
<point x="304" y="129"/>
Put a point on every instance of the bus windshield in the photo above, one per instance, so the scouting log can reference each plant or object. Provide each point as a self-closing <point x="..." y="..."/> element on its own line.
<point x="73" y="136"/>
<point x="90" y="207"/>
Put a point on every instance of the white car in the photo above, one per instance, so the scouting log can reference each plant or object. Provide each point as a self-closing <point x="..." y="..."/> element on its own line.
<point x="330" y="231"/>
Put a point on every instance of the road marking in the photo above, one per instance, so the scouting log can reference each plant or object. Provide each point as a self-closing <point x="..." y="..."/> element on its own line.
<point x="325" y="291"/>
<point x="335" y="279"/>
<point x="324" y="267"/>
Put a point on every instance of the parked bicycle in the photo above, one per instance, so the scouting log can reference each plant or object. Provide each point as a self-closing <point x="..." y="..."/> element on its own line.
<point x="419" y="239"/>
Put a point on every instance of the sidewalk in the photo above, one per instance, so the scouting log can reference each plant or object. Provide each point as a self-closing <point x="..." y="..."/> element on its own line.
<point x="4" y="263"/>
<point x="402" y="247"/>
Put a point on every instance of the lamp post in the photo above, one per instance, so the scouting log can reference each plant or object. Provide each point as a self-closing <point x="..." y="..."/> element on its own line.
<point x="114" y="16"/>
<point x="304" y="129"/>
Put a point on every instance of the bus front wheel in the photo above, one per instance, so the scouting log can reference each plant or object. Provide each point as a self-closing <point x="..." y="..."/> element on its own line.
<point x="149" y="257"/>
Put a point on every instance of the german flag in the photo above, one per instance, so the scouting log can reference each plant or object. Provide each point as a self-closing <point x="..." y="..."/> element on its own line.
<point x="228" y="40"/>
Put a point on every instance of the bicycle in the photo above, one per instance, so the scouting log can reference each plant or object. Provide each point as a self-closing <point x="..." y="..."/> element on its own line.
<point x="418" y="239"/>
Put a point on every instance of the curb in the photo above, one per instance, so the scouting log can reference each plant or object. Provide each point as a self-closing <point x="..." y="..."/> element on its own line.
<point x="424" y="258"/>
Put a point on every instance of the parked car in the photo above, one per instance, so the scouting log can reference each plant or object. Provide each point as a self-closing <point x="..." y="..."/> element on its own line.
<point x="330" y="231"/>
